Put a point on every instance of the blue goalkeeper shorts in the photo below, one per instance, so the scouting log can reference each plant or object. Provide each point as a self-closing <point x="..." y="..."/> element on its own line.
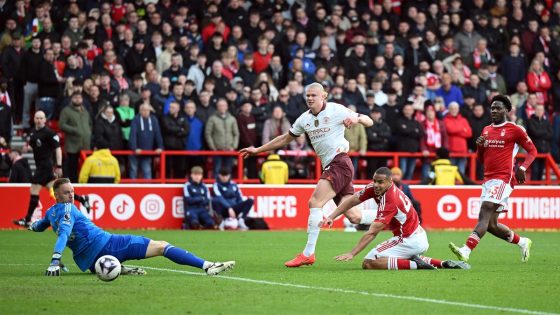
<point x="124" y="247"/>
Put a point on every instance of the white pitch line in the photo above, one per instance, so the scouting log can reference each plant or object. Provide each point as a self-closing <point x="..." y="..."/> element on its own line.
<point x="381" y="295"/>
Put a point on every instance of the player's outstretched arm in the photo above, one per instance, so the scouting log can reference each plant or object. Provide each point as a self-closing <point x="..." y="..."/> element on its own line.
<point x="342" y="208"/>
<point x="39" y="226"/>
<point x="359" y="119"/>
<point x="369" y="236"/>
<point x="273" y="144"/>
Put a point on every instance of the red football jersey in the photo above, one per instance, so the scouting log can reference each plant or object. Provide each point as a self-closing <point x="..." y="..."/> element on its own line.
<point x="394" y="209"/>
<point x="500" y="148"/>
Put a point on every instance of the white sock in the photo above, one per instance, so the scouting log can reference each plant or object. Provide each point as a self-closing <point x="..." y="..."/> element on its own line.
<point x="466" y="249"/>
<point x="313" y="229"/>
<point x="522" y="241"/>
<point x="413" y="265"/>
<point x="207" y="265"/>
<point x="367" y="217"/>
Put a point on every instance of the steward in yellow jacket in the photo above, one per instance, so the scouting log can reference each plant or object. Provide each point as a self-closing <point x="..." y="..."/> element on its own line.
<point x="444" y="173"/>
<point x="100" y="167"/>
<point x="274" y="170"/>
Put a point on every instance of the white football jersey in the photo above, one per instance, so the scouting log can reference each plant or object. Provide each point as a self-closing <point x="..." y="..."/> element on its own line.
<point x="326" y="130"/>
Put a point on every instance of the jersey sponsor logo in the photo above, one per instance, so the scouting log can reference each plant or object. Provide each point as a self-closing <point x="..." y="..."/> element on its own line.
<point x="318" y="133"/>
<point x="97" y="207"/>
<point x="38" y="143"/>
<point x="449" y="208"/>
<point x="152" y="207"/>
<point x="122" y="207"/>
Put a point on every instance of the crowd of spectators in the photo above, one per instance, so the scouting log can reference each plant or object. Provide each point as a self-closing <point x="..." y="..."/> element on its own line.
<point x="220" y="75"/>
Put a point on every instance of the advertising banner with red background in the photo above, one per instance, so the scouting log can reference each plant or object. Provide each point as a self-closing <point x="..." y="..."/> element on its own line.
<point x="283" y="207"/>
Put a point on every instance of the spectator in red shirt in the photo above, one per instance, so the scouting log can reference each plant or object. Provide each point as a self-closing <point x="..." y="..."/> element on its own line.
<point x="538" y="81"/>
<point x="458" y="132"/>
<point x="262" y="56"/>
<point x="216" y="25"/>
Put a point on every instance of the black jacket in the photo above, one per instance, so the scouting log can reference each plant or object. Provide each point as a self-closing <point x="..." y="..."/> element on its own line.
<point x="477" y="124"/>
<point x="6" y="122"/>
<point x="175" y="132"/>
<point x="20" y="172"/>
<point x="11" y="61"/>
<point x="540" y="131"/>
<point x="135" y="61"/>
<point x="409" y="132"/>
<point x="108" y="134"/>
<point x="378" y="136"/>
<point x="28" y="69"/>
<point x="48" y="83"/>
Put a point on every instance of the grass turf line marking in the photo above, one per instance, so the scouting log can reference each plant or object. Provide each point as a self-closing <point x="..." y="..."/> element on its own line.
<point x="381" y="295"/>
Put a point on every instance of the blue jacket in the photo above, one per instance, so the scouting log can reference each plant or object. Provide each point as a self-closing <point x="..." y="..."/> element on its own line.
<point x="227" y="194"/>
<point x="195" y="195"/>
<point x="145" y="133"/>
<point x="194" y="140"/>
<point x="453" y="95"/>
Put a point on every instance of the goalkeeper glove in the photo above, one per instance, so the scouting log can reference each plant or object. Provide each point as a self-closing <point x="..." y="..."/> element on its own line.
<point x="54" y="269"/>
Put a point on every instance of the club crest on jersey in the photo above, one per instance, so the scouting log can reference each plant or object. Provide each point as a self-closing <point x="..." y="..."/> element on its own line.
<point x="503" y="133"/>
<point x="326" y="120"/>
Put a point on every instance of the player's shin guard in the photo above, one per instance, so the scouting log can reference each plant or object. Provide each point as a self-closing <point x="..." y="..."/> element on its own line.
<point x="367" y="217"/>
<point x="33" y="202"/>
<point x="313" y="229"/>
<point x="182" y="257"/>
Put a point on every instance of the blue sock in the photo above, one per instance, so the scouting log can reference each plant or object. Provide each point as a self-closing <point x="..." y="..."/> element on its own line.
<point x="182" y="257"/>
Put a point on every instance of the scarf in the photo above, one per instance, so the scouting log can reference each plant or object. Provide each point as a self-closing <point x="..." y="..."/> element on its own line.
<point x="433" y="134"/>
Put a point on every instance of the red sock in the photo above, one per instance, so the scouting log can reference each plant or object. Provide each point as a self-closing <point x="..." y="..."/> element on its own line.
<point x="513" y="238"/>
<point x="396" y="263"/>
<point x="473" y="240"/>
<point x="432" y="261"/>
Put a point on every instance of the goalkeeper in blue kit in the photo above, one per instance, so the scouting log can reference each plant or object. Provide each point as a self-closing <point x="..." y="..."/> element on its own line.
<point x="89" y="242"/>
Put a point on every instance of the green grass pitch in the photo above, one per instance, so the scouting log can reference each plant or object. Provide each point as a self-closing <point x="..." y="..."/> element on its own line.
<point x="498" y="282"/>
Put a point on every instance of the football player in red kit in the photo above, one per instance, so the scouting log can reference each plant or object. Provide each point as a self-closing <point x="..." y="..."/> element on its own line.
<point x="396" y="212"/>
<point x="497" y="148"/>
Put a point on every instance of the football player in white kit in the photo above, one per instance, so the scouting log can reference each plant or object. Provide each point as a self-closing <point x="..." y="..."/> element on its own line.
<point x="324" y="124"/>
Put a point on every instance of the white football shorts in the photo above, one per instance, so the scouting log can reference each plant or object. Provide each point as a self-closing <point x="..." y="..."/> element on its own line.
<point x="399" y="247"/>
<point x="496" y="191"/>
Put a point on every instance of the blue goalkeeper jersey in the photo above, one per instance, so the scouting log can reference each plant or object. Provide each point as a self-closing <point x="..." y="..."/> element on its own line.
<point x="76" y="231"/>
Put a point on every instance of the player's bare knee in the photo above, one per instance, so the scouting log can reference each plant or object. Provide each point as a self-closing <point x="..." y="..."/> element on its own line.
<point x="354" y="218"/>
<point x="314" y="202"/>
<point x="161" y="246"/>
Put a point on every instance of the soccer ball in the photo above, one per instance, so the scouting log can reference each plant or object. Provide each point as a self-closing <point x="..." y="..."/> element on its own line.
<point x="230" y="224"/>
<point x="107" y="268"/>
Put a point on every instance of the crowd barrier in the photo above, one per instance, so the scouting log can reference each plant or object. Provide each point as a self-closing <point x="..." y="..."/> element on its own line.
<point x="284" y="206"/>
<point x="238" y="175"/>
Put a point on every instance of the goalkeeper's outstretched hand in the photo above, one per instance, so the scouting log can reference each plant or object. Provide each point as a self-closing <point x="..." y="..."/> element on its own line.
<point x="53" y="270"/>
<point x="56" y="265"/>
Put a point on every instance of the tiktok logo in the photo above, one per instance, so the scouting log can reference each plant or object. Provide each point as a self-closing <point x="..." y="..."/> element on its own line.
<point x="122" y="207"/>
